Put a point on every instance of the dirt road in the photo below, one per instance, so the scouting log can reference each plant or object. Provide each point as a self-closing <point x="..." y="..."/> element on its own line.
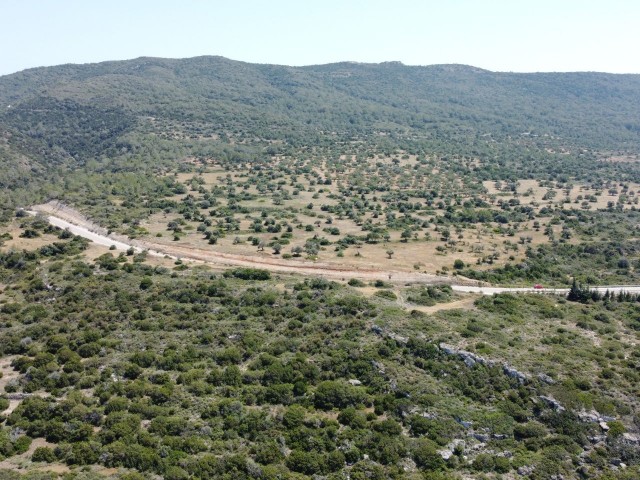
<point x="65" y="217"/>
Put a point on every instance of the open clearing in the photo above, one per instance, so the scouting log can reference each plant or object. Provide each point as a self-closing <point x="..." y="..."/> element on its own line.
<point x="302" y="267"/>
<point x="214" y="257"/>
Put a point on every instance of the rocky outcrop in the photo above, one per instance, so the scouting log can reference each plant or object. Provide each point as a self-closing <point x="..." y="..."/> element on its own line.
<point x="511" y="372"/>
<point x="543" y="377"/>
<point x="526" y="470"/>
<point x="592" y="416"/>
<point x="553" y="403"/>
<point x="392" y="335"/>
<point x="631" y="438"/>
<point x="18" y="396"/>
<point x="470" y="359"/>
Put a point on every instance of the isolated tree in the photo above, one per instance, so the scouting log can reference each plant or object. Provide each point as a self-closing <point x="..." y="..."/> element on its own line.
<point x="311" y="248"/>
<point x="390" y="253"/>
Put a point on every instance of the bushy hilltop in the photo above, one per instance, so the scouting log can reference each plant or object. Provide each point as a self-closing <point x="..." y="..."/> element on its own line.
<point x="146" y="114"/>
<point x="278" y="102"/>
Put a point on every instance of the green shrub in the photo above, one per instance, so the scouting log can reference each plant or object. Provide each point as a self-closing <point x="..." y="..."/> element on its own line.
<point x="43" y="454"/>
<point x="248" y="274"/>
<point x="308" y="463"/>
<point x="425" y="454"/>
<point x="386" y="294"/>
<point x="338" y="394"/>
<point x="529" y="430"/>
<point x="22" y="444"/>
<point x="616" y="429"/>
<point x="489" y="463"/>
<point x="268" y="452"/>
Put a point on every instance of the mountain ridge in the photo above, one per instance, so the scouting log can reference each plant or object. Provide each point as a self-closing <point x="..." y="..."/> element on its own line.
<point x="454" y="65"/>
<point x="71" y="114"/>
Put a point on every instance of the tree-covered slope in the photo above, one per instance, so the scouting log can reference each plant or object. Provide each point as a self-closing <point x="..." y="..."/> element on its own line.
<point x="119" y="368"/>
<point x="277" y="102"/>
<point x="145" y="115"/>
<point x="136" y="366"/>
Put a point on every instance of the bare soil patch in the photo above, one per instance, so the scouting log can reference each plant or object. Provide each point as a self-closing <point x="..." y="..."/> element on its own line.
<point x="466" y="303"/>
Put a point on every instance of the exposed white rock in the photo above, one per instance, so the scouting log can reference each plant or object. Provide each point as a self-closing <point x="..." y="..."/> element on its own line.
<point x="553" y="403"/>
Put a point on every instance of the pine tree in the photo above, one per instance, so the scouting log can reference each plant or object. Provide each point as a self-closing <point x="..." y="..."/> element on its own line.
<point x="574" y="292"/>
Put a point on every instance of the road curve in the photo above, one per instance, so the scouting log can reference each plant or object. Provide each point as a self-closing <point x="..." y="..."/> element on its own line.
<point x="82" y="227"/>
<point x="100" y="236"/>
<point x="95" y="237"/>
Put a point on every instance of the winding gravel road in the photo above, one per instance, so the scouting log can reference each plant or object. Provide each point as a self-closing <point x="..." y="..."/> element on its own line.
<point x="78" y="225"/>
<point x="82" y="227"/>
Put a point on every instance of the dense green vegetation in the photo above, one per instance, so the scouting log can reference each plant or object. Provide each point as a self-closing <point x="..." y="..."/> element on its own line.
<point x="121" y="364"/>
<point x="189" y="374"/>
<point x="144" y="114"/>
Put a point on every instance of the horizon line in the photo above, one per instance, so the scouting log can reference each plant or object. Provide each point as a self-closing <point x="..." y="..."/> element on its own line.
<point x="354" y="62"/>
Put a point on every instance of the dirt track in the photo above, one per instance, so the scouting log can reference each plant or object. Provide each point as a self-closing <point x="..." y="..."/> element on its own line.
<point x="66" y="217"/>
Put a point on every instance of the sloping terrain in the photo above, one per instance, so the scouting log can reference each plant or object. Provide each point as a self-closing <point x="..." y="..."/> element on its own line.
<point x="147" y="114"/>
<point x="586" y="109"/>
<point x="132" y="365"/>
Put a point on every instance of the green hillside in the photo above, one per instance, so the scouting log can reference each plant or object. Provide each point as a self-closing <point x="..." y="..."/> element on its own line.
<point x="275" y="102"/>
<point x="207" y="347"/>
<point x="152" y="112"/>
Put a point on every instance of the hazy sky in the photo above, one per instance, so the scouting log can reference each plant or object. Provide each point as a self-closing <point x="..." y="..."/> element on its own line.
<point x="504" y="35"/>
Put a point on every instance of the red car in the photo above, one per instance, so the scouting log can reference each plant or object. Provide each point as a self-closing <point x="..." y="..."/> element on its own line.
<point x="537" y="286"/>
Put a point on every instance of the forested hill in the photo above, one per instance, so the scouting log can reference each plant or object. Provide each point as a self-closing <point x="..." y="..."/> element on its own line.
<point x="103" y="101"/>
<point x="143" y="115"/>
